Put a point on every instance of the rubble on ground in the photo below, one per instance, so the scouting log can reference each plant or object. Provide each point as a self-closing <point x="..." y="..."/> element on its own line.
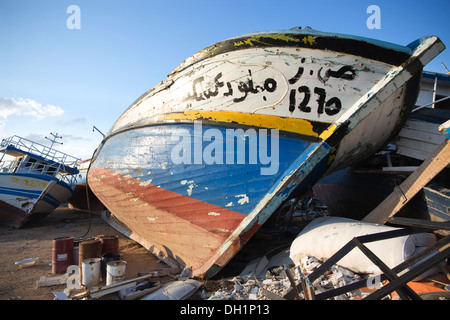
<point x="277" y="276"/>
<point x="275" y="284"/>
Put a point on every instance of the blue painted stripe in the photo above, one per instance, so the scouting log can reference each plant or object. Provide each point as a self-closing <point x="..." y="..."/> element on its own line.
<point x="51" y="200"/>
<point x="33" y="194"/>
<point x="20" y="192"/>
<point x="147" y="154"/>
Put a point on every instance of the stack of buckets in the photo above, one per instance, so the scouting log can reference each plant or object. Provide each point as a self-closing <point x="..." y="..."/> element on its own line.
<point x="97" y="258"/>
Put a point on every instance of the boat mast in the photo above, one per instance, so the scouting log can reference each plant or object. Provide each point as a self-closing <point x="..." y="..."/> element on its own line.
<point x="448" y="71"/>
<point x="55" y="136"/>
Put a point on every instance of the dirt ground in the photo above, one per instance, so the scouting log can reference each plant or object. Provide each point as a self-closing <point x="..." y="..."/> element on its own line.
<point x="36" y="240"/>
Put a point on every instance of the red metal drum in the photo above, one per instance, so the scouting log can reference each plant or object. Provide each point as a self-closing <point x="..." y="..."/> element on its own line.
<point x="110" y="244"/>
<point x="89" y="249"/>
<point x="62" y="254"/>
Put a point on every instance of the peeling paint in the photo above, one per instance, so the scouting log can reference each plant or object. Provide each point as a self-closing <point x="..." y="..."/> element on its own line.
<point x="164" y="165"/>
<point x="145" y="183"/>
<point x="244" y="199"/>
<point x="190" y="187"/>
<point x="189" y="190"/>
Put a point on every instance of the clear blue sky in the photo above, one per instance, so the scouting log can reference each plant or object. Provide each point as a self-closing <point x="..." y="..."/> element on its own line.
<point x="56" y="79"/>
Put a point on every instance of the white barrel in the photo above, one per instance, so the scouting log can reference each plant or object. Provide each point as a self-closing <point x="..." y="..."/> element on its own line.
<point x="90" y="271"/>
<point x="115" y="272"/>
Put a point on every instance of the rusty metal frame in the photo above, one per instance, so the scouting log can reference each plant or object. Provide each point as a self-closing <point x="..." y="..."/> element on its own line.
<point x="396" y="283"/>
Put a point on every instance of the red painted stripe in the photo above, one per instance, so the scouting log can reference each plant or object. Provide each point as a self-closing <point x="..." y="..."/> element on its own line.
<point x="206" y="216"/>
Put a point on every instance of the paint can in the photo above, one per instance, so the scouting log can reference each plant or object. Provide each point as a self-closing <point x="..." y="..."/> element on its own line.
<point x="90" y="272"/>
<point x="89" y="249"/>
<point x="110" y="244"/>
<point x="115" y="272"/>
<point x="108" y="257"/>
<point x="62" y="254"/>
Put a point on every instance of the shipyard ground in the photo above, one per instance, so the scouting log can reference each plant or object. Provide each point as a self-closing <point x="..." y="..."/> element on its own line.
<point x="35" y="240"/>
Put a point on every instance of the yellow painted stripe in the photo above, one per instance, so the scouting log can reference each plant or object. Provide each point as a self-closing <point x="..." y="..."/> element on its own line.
<point x="283" y="37"/>
<point x="300" y="126"/>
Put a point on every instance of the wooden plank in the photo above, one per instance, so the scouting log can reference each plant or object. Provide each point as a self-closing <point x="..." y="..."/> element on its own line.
<point x="438" y="204"/>
<point x="413" y="184"/>
<point x="431" y="115"/>
<point x="401" y="169"/>
<point x="420" y="223"/>
<point x="435" y="138"/>
<point x="292" y="281"/>
<point x="416" y="154"/>
<point x="422" y="126"/>
<point x="101" y="291"/>
<point x="418" y="145"/>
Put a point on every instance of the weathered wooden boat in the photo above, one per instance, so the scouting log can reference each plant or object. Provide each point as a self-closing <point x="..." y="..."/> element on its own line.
<point x="196" y="165"/>
<point x="35" y="182"/>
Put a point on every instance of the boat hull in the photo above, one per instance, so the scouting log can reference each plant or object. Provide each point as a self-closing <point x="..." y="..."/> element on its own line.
<point x="164" y="169"/>
<point x="27" y="197"/>
<point x="188" y="212"/>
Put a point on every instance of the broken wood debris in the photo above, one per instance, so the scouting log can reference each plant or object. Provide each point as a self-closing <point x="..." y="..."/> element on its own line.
<point x="139" y="290"/>
<point x="52" y="281"/>
<point x="433" y="165"/>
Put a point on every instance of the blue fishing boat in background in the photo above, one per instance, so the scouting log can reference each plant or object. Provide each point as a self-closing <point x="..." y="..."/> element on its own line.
<point x="34" y="180"/>
<point x="196" y="165"/>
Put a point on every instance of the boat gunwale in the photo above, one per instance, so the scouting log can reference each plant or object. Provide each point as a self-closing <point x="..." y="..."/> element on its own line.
<point x="343" y="43"/>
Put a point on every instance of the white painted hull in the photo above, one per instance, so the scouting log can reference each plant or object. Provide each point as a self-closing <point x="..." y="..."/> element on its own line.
<point x="27" y="197"/>
<point x="275" y="73"/>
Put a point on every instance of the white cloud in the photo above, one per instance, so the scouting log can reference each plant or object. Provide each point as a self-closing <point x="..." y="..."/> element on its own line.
<point x="27" y="107"/>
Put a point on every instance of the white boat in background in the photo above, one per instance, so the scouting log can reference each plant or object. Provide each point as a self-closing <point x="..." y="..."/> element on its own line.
<point x="35" y="182"/>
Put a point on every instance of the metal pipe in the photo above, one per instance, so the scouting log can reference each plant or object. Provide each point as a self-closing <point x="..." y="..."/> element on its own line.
<point x="429" y="104"/>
